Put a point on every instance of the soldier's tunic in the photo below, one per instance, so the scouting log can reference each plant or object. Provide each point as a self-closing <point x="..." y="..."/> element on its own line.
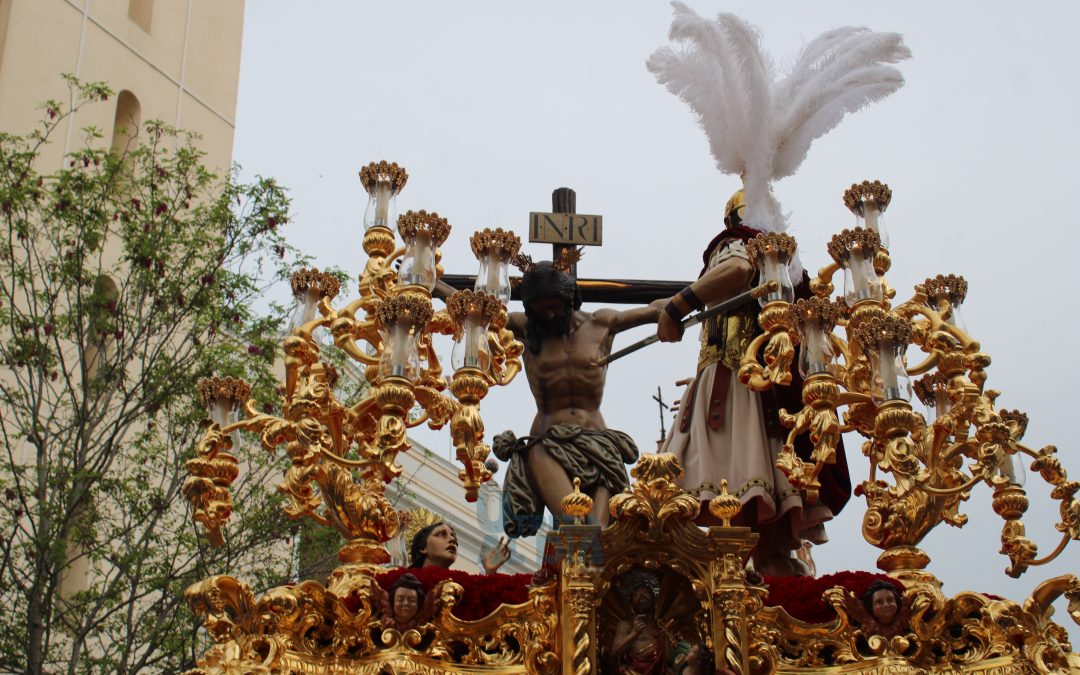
<point x="722" y="431"/>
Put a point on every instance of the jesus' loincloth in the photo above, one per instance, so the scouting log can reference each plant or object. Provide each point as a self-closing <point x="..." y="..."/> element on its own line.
<point x="596" y="457"/>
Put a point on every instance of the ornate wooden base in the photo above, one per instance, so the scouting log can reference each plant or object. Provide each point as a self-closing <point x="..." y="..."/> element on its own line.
<point x="701" y="603"/>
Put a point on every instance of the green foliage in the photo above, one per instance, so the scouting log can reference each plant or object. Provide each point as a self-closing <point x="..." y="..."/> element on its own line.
<point x="124" y="278"/>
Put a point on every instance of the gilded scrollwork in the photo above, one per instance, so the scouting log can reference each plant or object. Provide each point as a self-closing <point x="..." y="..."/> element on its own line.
<point x="341" y="456"/>
<point x="818" y="418"/>
<point x="307" y="628"/>
<point x="655" y="497"/>
<point x="211" y="473"/>
<point x="505" y="351"/>
<point x="309" y="625"/>
<point x="777" y="346"/>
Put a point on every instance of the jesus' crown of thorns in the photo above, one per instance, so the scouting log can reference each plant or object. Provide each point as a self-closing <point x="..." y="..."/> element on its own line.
<point x="564" y="264"/>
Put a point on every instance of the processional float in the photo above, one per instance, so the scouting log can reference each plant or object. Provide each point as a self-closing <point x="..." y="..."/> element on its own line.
<point x="854" y="353"/>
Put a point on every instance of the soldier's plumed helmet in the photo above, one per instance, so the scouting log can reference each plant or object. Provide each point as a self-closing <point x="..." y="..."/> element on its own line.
<point x="733" y="211"/>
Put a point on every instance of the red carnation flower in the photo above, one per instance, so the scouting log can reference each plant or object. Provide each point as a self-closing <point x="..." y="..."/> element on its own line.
<point x="483" y="594"/>
<point x="801" y="597"/>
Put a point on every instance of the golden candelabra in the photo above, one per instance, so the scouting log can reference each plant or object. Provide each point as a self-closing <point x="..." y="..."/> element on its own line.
<point x="864" y="369"/>
<point x="853" y="358"/>
<point x="343" y="453"/>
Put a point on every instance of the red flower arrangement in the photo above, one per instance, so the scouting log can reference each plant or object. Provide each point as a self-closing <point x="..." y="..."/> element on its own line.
<point x="801" y="597"/>
<point x="483" y="592"/>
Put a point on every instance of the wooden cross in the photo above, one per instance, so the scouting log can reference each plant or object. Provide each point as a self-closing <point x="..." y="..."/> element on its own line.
<point x="659" y="398"/>
<point x="564" y="228"/>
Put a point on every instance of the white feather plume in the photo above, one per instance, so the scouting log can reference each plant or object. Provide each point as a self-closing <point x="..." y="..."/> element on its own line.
<point x="838" y="73"/>
<point x="761" y="128"/>
<point x="705" y="74"/>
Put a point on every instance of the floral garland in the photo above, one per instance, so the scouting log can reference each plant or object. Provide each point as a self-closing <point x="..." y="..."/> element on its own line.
<point x="483" y="592"/>
<point x="802" y="597"/>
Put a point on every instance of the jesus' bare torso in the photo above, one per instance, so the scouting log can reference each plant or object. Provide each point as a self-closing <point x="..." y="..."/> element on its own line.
<point x="566" y="384"/>
<point x="568" y="387"/>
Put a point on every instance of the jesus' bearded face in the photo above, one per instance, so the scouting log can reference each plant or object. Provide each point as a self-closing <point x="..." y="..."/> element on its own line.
<point x="547" y="317"/>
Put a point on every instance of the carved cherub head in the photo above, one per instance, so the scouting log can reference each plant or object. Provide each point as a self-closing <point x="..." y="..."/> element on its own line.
<point x="883" y="601"/>
<point x="406" y="599"/>
<point x="880" y="610"/>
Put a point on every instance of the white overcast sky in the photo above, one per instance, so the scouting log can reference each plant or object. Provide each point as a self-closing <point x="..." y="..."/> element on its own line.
<point x="492" y="105"/>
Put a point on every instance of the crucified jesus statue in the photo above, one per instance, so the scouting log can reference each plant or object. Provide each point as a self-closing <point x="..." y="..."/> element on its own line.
<point x="568" y="438"/>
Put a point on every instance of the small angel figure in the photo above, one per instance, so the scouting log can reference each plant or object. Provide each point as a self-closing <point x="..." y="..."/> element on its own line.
<point x="404" y="606"/>
<point x="882" y="610"/>
<point x="693" y="659"/>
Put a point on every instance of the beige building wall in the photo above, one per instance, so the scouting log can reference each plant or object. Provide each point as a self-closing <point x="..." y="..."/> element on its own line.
<point x="431" y="481"/>
<point x="173" y="60"/>
<point x="179" y="58"/>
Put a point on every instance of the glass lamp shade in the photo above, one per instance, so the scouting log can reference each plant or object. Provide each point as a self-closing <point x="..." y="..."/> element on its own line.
<point x="771" y="252"/>
<point x="954" y="317"/>
<point x="471" y="351"/>
<point x="868" y="201"/>
<point x="472" y="312"/>
<point x="423" y="234"/>
<point x="1012" y="469"/>
<point x="403" y="320"/>
<point x="381" y="206"/>
<point x="884" y="341"/>
<point x="774" y="269"/>
<point x="891" y="381"/>
<point x="307" y="301"/>
<point x="932" y="390"/>
<point x="854" y="251"/>
<point x="814" y="318"/>
<point x="947" y="291"/>
<point x="222" y="397"/>
<point x="400" y="356"/>
<point x="873" y="218"/>
<point x="309" y="286"/>
<point x="815" y="350"/>
<point x="860" y="279"/>
<point x="494" y="276"/>
<point x="418" y="263"/>
<point x="221" y="410"/>
<point x="942" y="404"/>
<point x="494" y="248"/>
<point x="382" y="181"/>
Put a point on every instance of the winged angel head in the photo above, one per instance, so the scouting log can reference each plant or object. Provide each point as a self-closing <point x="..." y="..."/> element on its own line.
<point x="760" y="122"/>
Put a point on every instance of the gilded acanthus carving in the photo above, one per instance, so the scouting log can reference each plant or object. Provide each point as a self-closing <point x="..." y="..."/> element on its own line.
<point x="655" y="496"/>
<point x="307" y="628"/>
<point x="342" y="454"/>
<point x="307" y="624"/>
